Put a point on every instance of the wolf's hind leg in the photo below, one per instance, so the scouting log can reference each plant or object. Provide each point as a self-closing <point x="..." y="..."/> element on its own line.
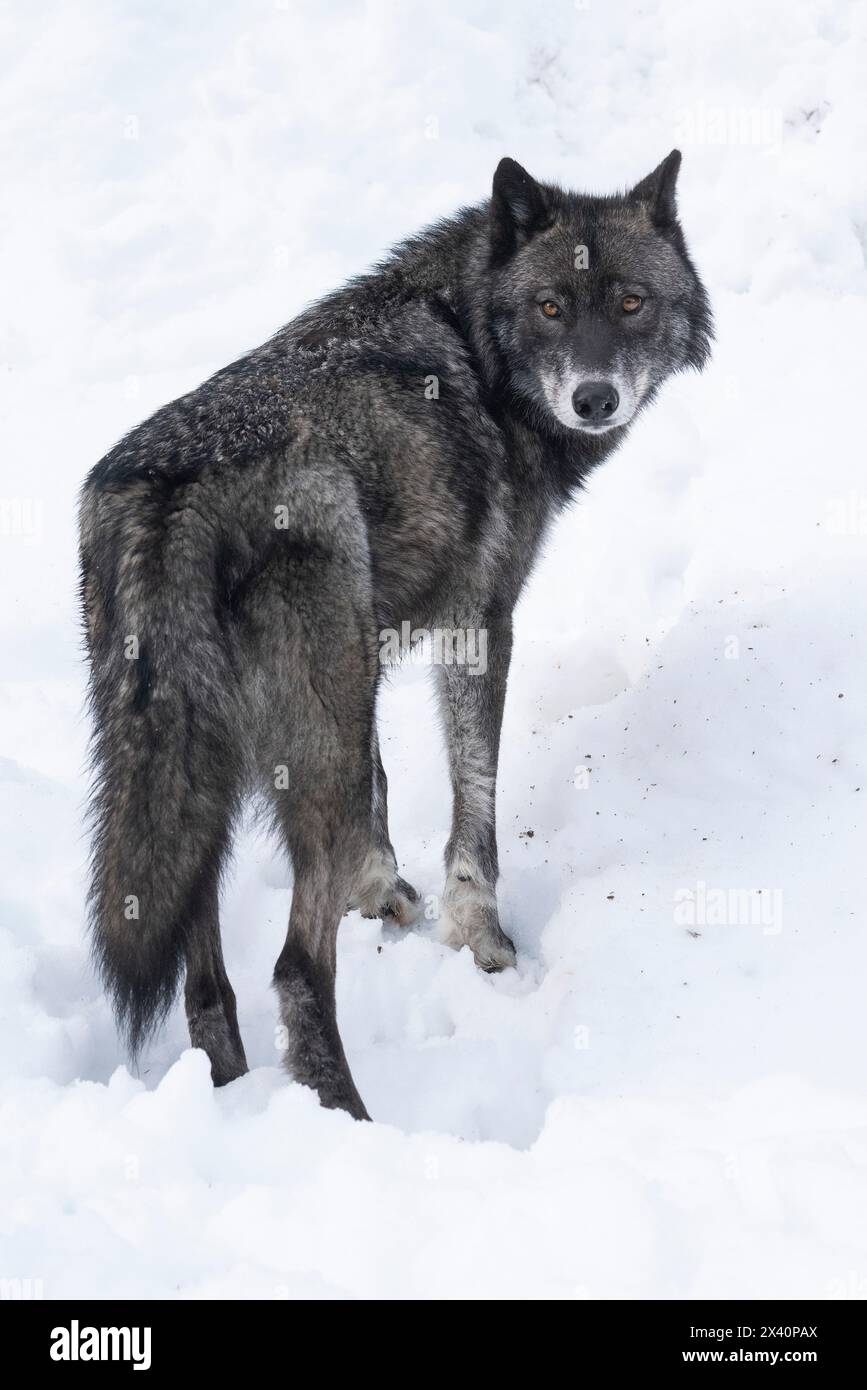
<point x="212" y="1016"/>
<point x="325" y="823"/>
<point x="319" y="658"/>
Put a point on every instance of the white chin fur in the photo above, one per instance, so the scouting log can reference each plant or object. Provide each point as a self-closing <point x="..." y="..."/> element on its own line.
<point x="559" y="393"/>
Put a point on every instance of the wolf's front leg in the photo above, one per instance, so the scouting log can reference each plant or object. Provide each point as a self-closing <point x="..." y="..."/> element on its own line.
<point x="379" y="890"/>
<point x="472" y="697"/>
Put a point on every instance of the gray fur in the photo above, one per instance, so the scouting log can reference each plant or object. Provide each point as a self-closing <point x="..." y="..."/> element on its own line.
<point x="243" y="548"/>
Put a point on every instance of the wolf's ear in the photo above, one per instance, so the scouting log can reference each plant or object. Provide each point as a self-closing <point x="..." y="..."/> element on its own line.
<point x="518" y="208"/>
<point x="656" y="192"/>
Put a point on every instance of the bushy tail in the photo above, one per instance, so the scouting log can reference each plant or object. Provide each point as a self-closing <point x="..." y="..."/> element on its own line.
<point x="165" y="746"/>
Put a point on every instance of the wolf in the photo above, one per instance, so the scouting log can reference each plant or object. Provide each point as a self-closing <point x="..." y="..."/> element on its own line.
<point x="394" y="455"/>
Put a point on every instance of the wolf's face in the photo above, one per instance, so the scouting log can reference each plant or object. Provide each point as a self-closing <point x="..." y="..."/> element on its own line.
<point x="594" y="301"/>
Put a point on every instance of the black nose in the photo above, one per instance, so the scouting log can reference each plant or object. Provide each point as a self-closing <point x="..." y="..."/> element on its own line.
<point x="595" y="401"/>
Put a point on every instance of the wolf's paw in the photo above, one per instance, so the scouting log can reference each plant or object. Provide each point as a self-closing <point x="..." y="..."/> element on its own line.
<point x="381" y="892"/>
<point x="400" y="905"/>
<point x="470" y="919"/>
<point x="494" y="951"/>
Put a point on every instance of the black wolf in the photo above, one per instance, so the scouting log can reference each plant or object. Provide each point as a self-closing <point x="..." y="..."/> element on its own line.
<point x="395" y="454"/>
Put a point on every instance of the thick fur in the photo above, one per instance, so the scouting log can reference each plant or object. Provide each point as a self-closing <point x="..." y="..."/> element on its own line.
<point x="394" y="454"/>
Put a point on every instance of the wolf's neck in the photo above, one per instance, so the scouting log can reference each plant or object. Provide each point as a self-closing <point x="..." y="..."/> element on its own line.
<point x="420" y="268"/>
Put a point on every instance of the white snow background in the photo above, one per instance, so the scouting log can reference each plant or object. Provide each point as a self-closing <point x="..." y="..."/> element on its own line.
<point x="664" y="1100"/>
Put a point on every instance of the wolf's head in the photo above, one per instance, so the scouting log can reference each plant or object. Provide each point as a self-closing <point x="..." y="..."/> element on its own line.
<point x="594" y="301"/>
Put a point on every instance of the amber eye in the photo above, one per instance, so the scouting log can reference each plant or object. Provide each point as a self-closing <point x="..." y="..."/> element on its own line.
<point x="550" y="309"/>
<point x="631" y="303"/>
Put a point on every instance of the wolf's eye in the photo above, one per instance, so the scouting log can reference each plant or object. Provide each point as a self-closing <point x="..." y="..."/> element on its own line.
<point x="550" y="309"/>
<point x="631" y="303"/>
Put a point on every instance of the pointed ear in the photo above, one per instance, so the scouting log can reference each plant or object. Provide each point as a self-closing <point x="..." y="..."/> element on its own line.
<point x="656" y="192"/>
<point x="518" y="208"/>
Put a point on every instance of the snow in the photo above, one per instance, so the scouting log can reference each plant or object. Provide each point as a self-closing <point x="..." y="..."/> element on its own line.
<point x="666" y="1099"/>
